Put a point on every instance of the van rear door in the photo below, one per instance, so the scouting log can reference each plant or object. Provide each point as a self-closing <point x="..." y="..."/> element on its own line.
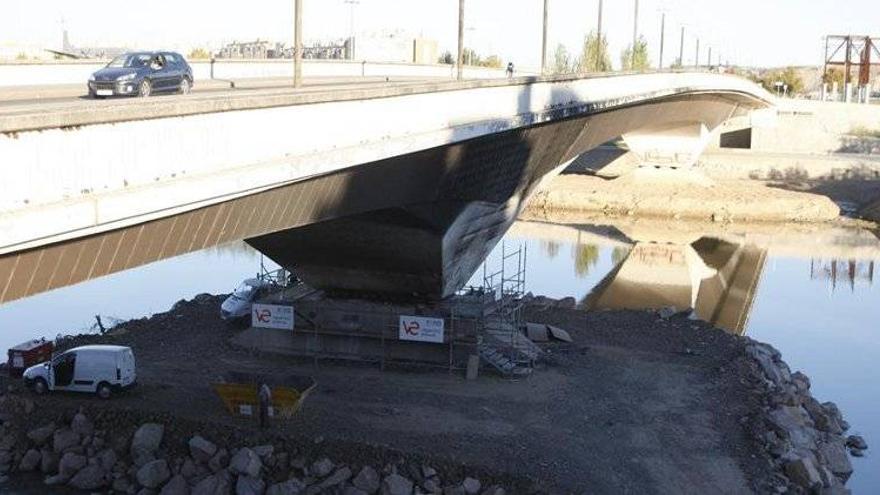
<point x="126" y="375"/>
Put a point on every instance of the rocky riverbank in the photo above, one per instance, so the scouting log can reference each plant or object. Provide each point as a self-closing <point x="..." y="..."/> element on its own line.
<point x="805" y="438"/>
<point x="112" y="451"/>
<point x="647" y="402"/>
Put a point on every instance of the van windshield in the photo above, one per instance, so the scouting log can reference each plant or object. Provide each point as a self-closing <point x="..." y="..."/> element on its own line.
<point x="244" y="291"/>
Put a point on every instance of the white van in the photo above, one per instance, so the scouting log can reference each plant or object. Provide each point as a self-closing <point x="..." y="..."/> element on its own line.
<point x="101" y="369"/>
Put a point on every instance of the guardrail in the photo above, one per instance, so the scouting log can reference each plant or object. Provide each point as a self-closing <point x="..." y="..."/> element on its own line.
<point x="78" y="72"/>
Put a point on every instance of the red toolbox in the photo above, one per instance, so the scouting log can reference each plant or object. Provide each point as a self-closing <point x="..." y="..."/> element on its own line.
<point x="28" y="354"/>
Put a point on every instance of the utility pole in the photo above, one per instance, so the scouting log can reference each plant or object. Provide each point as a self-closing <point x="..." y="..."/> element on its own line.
<point x="599" y="39"/>
<point x="297" y="43"/>
<point x="635" y="35"/>
<point x="697" y="56"/>
<point x="681" y="49"/>
<point x="460" y="38"/>
<point x="544" y="40"/>
<point x="709" y="63"/>
<point x="662" y="37"/>
<point x="351" y="4"/>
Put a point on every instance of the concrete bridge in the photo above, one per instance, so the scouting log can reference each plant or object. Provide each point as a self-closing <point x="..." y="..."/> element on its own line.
<point x="397" y="189"/>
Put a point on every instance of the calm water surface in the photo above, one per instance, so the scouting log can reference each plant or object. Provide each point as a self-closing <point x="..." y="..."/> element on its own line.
<point x="811" y="292"/>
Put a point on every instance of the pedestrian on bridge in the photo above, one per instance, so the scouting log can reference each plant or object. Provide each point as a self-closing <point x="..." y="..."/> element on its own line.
<point x="509" y="70"/>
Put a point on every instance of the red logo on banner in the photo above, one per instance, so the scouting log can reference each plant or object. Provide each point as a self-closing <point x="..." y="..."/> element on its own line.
<point x="264" y="316"/>
<point x="411" y="328"/>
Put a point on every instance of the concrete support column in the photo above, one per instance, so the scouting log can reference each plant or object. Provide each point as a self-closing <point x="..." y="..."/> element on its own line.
<point x="669" y="151"/>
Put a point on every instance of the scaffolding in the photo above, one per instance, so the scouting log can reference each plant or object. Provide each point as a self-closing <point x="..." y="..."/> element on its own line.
<point x="502" y="343"/>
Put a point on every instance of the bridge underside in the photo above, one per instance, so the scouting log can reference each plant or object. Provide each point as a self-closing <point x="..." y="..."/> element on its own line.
<point x="415" y="224"/>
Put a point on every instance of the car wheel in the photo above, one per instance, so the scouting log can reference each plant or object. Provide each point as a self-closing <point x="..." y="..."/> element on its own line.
<point x="104" y="390"/>
<point x="145" y="89"/>
<point x="185" y="86"/>
<point x="40" y="386"/>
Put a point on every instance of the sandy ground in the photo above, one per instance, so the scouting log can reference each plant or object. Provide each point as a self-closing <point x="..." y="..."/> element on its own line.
<point x="636" y="404"/>
<point x="692" y="198"/>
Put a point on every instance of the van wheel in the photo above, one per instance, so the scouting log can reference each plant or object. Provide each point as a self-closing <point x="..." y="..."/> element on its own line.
<point x="104" y="390"/>
<point x="40" y="386"/>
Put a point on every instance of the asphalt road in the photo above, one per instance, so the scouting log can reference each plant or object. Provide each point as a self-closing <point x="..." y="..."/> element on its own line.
<point x="29" y="99"/>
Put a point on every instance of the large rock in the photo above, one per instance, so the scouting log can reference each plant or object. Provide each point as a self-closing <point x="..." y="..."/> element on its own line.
<point x="42" y="434"/>
<point x="201" y="449"/>
<point x="48" y="461"/>
<point x="856" y="442"/>
<point x="81" y="425"/>
<point x="246" y="461"/>
<point x="90" y="477"/>
<point x="834" y="454"/>
<point x="292" y="486"/>
<point x="30" y="461"/>
<point x="340" y="476"/>
<point x="250" y="485"/>
<point x="219" y="461"/>
<point x="106" y="459"/>
<point x="264" y="451"/>
<point x="70" y="464"/>
<point x="773" y="369"/>
<point x="790" y="423"/>
<point x="322" y="467"/>
<point x="153" y="473"/>
<point x="822" y="418"/>
<point x="803" y="473"/>
<point x="216" y="484"/>
<point x="175" y="486"/>
<point x="471" y="486"/>
<point x="146" y="441"/>
<point x="395" y="484"/>
<point x="64" y="439"/>
<point x="367" y="480"/>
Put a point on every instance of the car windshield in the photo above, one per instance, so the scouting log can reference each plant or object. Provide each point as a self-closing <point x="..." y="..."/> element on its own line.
<point x="129" y="61"/>
<point x="244" y="291"/>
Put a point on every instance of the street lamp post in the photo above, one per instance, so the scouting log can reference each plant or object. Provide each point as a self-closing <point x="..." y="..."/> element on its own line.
<point x="351" y="4"/>
<point x="599" y="39"/>
<point x="544" y="39"/>
<point x="681" y="49"/>
<point x="662" y="37"/>
<point x="460" y="59"/>
<point x="297" y="43"/>
<point x="697" y="56"/>
<point x="635" y="35"/>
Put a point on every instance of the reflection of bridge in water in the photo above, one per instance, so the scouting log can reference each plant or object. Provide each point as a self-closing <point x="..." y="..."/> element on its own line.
<point x="711" y="269"/>
<point x="716" y="278"/>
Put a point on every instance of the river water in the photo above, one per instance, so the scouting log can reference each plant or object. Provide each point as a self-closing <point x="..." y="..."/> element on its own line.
<point x="809" y="291"/>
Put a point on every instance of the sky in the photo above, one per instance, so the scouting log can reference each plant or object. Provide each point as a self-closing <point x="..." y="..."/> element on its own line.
<point x="744" y="32"/>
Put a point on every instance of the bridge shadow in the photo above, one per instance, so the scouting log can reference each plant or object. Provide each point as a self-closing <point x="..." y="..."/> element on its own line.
<point x="421" y="224"/>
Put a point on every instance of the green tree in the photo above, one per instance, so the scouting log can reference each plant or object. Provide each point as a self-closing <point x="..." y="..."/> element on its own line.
<point x="199" y="53"/>
<point x="493" y="61"/>
<point x="446" y="58"/>
<point x="585" y="257"/>
<point x="788" y="76"/>
<point x="550" y="248"/>
<point x="594" y="55"/>
<point x="676" y="64"/>
<point x="21" y="56"/>
<point x="561" y="61"/>
<point x="619" y="254"/>
<point x="640" y="59"/>
<point x="834" y="75"/>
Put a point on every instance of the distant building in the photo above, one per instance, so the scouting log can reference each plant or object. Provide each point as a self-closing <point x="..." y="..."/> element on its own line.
<point x="248" y="49"/>
<point x="425" y="51"/>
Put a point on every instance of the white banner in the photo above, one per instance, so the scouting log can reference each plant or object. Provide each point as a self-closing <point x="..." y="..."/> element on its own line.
<point x="421" y="329"/>
<point x="271" y="316"/>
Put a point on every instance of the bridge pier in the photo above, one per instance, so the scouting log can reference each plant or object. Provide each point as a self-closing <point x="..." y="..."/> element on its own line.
<point x="668" y="153"/>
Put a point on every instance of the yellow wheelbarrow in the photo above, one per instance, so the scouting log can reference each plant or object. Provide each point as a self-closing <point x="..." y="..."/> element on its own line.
<point x="240" y="393"/>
